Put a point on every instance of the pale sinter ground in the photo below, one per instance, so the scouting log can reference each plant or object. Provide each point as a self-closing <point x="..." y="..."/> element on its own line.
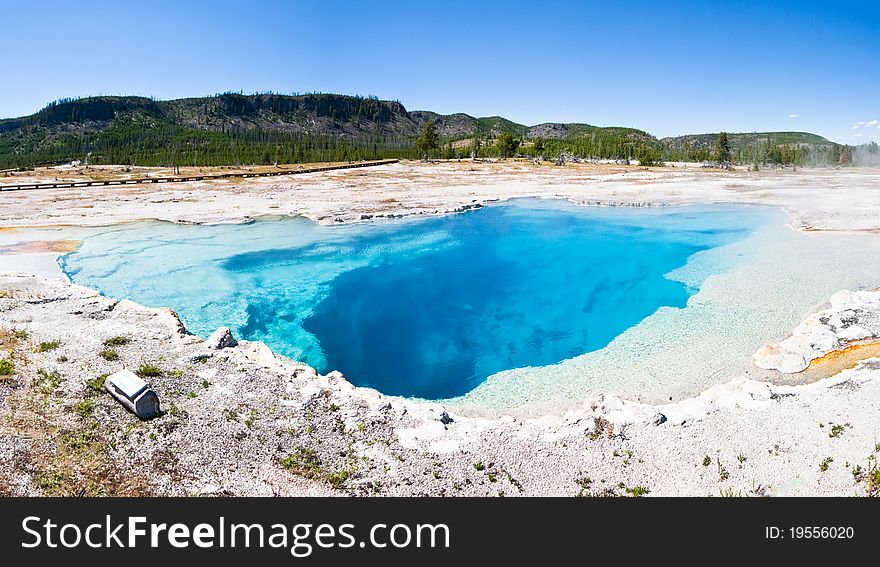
<point x="265" y="425"/>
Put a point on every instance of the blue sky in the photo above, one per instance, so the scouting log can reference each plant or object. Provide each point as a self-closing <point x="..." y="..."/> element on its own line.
<point x="667" y="67"/>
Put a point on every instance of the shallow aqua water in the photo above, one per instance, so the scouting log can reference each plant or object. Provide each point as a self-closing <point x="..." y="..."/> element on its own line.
<point x="427" y="308"/>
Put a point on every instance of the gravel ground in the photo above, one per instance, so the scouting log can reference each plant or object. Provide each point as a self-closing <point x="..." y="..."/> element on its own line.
<point x="816" y="199"/>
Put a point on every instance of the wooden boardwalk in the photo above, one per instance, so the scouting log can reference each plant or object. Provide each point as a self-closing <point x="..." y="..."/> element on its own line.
<point x="181" y="179"/>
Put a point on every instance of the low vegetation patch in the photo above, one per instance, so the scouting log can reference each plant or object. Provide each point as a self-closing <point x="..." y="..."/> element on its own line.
<point x="304" y="462"/>
<point x="148" y="370"/>
<point x="79" y="467"/>
<point x="78" y="439"/>
<point x="337" y="479"/>
<point x="7" y="367"/>
<point x="823" y="466"/>
<point x="109" y="354"/>
<point x="584" y="482"/>
<point x="84" y="408"/>
<point x="251" y="419"/>
<point x="601" y="426"/>
<point x="637" y="491"/>
<point x="96" y="385"/>
<point x="873" y="483"/>
<point x="116" y="341"/>
<point x="51" y="482"/>
<point x="722" y="472"/>
<point x="837" y="429"/>
<point x="48" y="346"/>
<point x="47" y="382"/>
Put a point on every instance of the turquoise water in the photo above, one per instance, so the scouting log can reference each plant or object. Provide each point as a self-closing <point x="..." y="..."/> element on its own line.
<point x="427" y="308"/>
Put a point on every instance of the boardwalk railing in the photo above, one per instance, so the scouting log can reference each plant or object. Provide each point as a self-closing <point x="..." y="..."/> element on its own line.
<point x="180" y="179"/>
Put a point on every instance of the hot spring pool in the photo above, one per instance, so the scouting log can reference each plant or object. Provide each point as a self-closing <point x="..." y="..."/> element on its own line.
<point x="435" y="307"/>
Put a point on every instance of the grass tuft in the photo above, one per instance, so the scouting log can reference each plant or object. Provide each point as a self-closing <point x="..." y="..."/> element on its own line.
<point x="48" y="382"/>
<point x="148" y="370"/>
<point x="637" y="491"/>
<point x="84" y="408"/>
<point x="116" y="341"/>
<point x="304" y="462"/>
<point x="109" y="354"/>
<point x="96" y="385"/>
<point x="837" y="430"/>
<point x="48" y="346"/>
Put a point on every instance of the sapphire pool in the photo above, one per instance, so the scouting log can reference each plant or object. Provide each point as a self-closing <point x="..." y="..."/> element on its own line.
<point x="427" y="307"/>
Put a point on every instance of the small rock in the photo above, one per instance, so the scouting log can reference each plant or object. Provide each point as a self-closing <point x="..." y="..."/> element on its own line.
<point x="221" y="338"/>
<point x="657" y="419"/>
<point x="445" y="419"/>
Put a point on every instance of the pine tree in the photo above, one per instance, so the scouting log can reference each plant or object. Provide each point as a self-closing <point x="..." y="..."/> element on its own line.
<point x="428" y="139"/>
<point x="722" y="149"/>
<point x="507" y="144"/>
<point x="538" y="146"/>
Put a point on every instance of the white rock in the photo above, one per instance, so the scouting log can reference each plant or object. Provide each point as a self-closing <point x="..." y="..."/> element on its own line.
<point x="310" y="392"/>
<point x="221" y="338"/>
<point x="848" y="319"/>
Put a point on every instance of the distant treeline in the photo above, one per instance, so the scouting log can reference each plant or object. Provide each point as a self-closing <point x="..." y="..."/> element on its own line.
<point x="235" y="129"/>
<point x="170" y="145"/>
<point x="770" y="152"/>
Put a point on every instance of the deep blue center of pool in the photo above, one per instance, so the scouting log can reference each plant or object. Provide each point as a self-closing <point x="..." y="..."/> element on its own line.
<point x="427" y="308"/>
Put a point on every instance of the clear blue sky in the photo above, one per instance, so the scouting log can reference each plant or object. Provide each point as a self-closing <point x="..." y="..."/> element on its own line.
<point x="667" y="67"/>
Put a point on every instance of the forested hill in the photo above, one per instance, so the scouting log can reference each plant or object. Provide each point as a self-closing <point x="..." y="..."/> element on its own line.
<point x="234" y="129"/>
<point x="751" y="147"/>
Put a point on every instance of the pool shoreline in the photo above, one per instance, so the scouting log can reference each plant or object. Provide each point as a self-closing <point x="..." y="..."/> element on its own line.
<point x="294" y="267"/>
<point x="462" y="403"/>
